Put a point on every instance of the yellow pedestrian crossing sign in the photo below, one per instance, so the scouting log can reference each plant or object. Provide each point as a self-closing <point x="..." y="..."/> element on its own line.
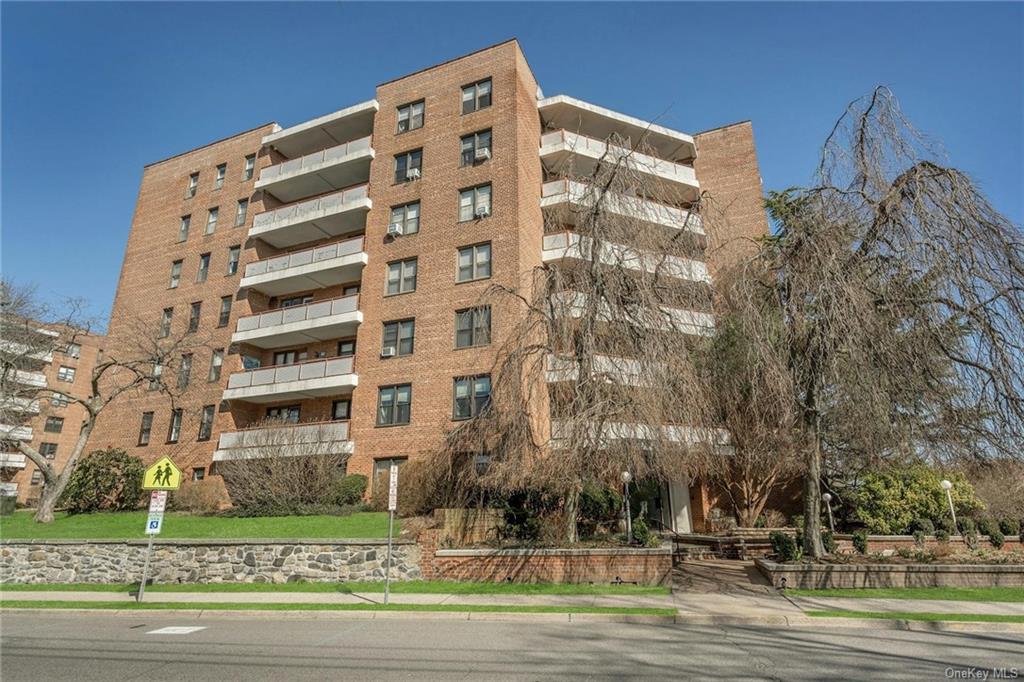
<point x="163" y="475"/>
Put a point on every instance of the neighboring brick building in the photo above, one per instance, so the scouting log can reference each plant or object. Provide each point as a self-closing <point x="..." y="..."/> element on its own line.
<point x="366" y="231"/>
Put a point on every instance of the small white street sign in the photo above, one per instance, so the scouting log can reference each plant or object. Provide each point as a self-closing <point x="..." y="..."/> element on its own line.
<point x="154" y="523"/>
<point x="393" y="489"/>
<point x="158" y="502"/>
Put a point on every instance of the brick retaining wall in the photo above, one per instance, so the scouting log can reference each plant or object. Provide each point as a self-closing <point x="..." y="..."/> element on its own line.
<point x="825" y="576"/>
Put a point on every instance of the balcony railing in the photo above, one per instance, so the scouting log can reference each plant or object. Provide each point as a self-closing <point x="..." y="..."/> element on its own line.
<point x="314" y="161"/>
<point x="596" y="149"/>
<point x="309" y="210"/>
<point x="299" y="313"/>
<point x="609" y="432"/>
<point x="15" y="432"/>
<point x="557" y="191"/>
<point x="299" y="371"/>
<point x="573" y="245"/>
<point x="574" y="304"/>
<point x="285" y="440"/>
<point x="297" y="259"/>
<point x="12" y="460"/>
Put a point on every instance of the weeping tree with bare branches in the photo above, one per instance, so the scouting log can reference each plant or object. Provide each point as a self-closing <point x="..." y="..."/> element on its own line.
<point x="597" y="374"/>
<point x="31" y="331"/>
<point x="886" y="309"/>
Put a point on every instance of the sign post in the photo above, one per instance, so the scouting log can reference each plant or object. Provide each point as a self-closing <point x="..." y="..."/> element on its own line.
<point x="159" y="478"/>
<point x="392" y="505"/>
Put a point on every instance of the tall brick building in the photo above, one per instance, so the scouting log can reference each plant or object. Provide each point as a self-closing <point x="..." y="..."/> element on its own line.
<point x="334" y="265"/>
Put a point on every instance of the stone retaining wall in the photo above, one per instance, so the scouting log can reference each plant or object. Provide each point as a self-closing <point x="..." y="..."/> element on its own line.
<point x="205" y="561"/>
<point x="824" y="576"/>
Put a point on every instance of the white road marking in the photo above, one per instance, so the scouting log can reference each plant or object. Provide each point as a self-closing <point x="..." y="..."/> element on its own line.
<point x="176" y="630"/>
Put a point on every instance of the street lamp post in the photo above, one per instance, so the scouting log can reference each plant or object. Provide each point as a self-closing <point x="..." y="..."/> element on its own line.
<point x="827" y="499"/>
<point x="626" y="478"/>
<point x="947" y="486"/>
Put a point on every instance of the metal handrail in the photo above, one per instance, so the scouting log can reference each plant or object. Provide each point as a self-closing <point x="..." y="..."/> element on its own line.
<point x="299" y="313"/>
<point x="310" y="161"/>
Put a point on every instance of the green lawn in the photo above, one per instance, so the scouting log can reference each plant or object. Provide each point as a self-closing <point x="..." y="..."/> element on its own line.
<point x="130" y="525"/>
<point x="895" y="615"/>
<point x="458" y="608"/>
<point x="404" y="587"/>
<point x="1000" y="594"/>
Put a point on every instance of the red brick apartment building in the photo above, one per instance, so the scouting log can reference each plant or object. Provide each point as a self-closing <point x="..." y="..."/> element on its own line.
<point x="329" y="263"/>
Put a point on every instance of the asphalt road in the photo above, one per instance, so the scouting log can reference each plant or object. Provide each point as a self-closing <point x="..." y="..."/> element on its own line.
<point x="82" y="647"/>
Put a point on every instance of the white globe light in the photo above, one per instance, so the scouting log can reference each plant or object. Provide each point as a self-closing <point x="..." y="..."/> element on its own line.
<point x="827" y="497"/>
<point x="946" y="485"/>
<point x="626" y="477"/>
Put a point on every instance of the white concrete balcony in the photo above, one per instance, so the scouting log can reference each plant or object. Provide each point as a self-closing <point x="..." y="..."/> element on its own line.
<point x="12" y="460"/>
<point x="17" y="405"/>
<point x="568" y="113"/>
<point x="25" y="378"/>
<point x="285" y="440"/>
<point x="561" y="149"/>
<point x="349" y="123"/>
<point x="318" y="321"/>
<point x="663" y="318"/>
<point x="574" y="246"/>
<point x="322" y="171"/>
<point x="333" y="215"/>
<point x="617" y="370"/>
<point x="298" y="381"/>
<point x="315" y="268"/>
<point x="21" y="351"/>
<point x="611" y="432"/>
<point x="576" y="196"/>
<point x="15" y="432"/>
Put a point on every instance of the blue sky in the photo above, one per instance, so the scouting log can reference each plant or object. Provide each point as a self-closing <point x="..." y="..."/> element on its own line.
<point x="92" y="92"/>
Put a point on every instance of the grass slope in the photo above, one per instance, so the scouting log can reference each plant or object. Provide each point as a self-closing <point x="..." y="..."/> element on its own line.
<point x="129" y="526"/>
<point x="896" y="615"/>
<point x="995" y="594"/>
<point x="404" y="587"/>
<point x="458" y="608"/>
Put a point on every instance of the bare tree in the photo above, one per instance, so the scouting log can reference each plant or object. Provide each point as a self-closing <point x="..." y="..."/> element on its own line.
<point x="597" y="374"/>
<point x="32" y="331"/>
<point x="888" y="306"/>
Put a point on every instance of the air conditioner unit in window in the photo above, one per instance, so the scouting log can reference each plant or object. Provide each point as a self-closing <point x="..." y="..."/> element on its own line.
<point x="482" y="154"/>
<point x="395" y="230"/>
<point x="388" y="352"/>
<point x="412" y="174"/>
<point x="482" y="211"/>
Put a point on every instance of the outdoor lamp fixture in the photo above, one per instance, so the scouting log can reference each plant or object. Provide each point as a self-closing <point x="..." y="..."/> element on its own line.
<point x="827" y="499"/>
<point x="947" y="485"/>
<point x="626" y="478"/>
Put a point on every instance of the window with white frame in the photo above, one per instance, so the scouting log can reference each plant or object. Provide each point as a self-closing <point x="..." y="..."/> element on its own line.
<point x="394" y="405"/>
<point x="193" y="185"/>
<point x="218" y="178"/>
<point x="398" y="337"/>
<point x="474" y="262"/>
<point x="225" y="311"/>
<point x="241" y="211"/>
<point x="204" y="267"/>
<point x="476" y="96"/>
<point x="249" y="168"/>
<point x="175" y="274"/>
<point x="66" y="374"/>
<point x="471" y="396"/>
<point x="401" y="276"/>
<point x="211" y="220"/>
<point x="234" y="255"/>
<point x="476" y="147"/>
<point x="475" y="202"/>
<point x="473" y="327"/>
<point x="216" y="362"/>
<point x="410" y="116"/>
<point x="409" y="165"/>
<point x="186" y="222"/>
<point x="174" y="430"/>
<point x="407" y="217"/>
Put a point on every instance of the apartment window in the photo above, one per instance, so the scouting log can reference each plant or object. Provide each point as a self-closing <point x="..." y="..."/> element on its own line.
<point x="174" y="430"/>
<point x="473" y="327"/>
<point x="185" y="370"/>
<point x="398" y="337"/>
<point x="296" y="300"/>
<point x="394" y="404"/>
<point x="48" y="450"/>
<point x="66" y="374"/>
<point x="472" y="394"/>
<point x="341" y="409"/>
<point x="410" y="116"/>
<point x="59" y="400"/>
<point x="218" y="178"/>
<point x="165" y="322"/>
<point x="474" y="262"/>
<point x="475" y="202"/>
<point x="154" y="378"/>
<point x="476" y="96"/>
<point x="288" y="413"/>
<point x="146" y="428"/>
<point x="54" y="424"/>
<point x="211" y="220"/>
<point x="186" y="222"/>
<point x="193" y="185"/>
<point x="241" y="211"/>
<point x="401" y="276"/>
<point x="195" y="310"/>
<point x="225" y="311"/>
<point x="37" y="477"/>
<point x="198" y="473"/>
<point x="350" y="290"/>
<point x="407" y="217"/>
<point x="249" y="168"/>
<point x="175" y="274"/>
<point x="408" y="165"/>
<point x="204" y="268"/>
<point x="206" y="423"/>
<point x="382" y="469"/>
<point x="234" y="254"/>
<point x="289" y="357"/>
<point x="216" y="362"/>
<point x="346" y="348"/>
<point x="73" y="350"/>
<point x="476" y="147"/>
